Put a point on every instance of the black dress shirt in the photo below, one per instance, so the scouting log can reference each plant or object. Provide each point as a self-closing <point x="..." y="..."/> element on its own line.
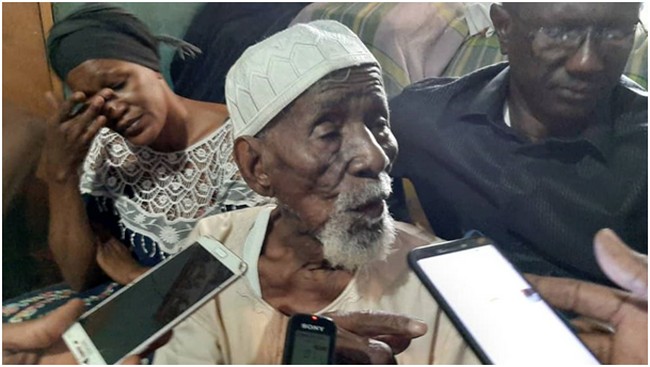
<point x="541" y="202"/>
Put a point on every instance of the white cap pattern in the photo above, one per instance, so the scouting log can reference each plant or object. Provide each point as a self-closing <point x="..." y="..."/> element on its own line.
<point x="271" y="74"/>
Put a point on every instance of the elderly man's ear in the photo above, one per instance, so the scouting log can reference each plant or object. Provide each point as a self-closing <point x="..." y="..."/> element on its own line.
<point x="502" y="23"/>
<point x="248" y="155"/>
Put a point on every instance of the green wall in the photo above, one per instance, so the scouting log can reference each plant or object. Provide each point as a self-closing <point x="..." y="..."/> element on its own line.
<point x="162" y="18"/>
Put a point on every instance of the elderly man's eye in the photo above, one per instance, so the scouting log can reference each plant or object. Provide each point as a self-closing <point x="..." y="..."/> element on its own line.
<point x="327" y="132"/>
<point x="379" y="124"/>
<point x="327" y="128"/>
<point x="332" y="135"/>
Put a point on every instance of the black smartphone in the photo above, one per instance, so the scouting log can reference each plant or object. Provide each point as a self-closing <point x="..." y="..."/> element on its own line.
<point x="138" y="314"/>
<point x="310" y="339"/>
<point x="498" y="313"/>
<point x="78" y="109"/>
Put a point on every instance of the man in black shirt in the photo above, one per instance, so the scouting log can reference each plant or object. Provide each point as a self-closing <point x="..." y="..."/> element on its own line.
<point x="538" y="153"/>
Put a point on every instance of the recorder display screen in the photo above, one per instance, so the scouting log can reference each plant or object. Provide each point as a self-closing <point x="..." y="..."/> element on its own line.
<point x="507" y="318"/>
<point x="123" y="323"/>
<point x="310" y="348"/>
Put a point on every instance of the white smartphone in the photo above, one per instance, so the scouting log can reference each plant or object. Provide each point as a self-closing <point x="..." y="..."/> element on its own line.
<point x="498" y="313"/>
<point x="138" y="314"/>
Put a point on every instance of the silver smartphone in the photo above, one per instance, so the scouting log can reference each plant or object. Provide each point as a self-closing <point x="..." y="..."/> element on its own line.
<point x="498" y="313"/>
<point x="138" y="314"/>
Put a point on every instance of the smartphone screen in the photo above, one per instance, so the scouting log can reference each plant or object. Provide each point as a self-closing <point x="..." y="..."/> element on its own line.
<point x="504" y="316"/>
<point x="137" y="313"/>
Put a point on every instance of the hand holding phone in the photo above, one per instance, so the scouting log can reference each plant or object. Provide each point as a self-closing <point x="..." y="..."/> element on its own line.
<point x="497" y="312"/>
<point x="625" y="310"/>
<point x="140" y="313"/>
<point x="39" y="341"/>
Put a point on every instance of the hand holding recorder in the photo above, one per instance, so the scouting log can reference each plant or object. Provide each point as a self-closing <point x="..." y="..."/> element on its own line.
<point x="374" y="337"/>
<point x="360" y="337"/>
<point x="625" y="312"/>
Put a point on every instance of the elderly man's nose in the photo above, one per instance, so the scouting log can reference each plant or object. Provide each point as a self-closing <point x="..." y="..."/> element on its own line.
<point x="369" y="158"/>
<point x="587" y="58"/>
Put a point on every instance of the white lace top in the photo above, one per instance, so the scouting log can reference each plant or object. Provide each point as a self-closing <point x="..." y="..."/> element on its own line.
<point x="157" y="197"/>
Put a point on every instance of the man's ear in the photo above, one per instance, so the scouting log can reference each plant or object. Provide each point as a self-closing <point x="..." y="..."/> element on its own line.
<point x="248" y="156"/>
<point x="502" y="22"/>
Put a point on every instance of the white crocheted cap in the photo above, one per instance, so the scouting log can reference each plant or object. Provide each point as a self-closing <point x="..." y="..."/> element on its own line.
<point x="271" y="74"/>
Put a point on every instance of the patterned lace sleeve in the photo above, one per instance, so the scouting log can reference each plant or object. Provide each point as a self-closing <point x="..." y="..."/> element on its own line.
<point x="237" y="194"/>
<point x="159" y="196"/>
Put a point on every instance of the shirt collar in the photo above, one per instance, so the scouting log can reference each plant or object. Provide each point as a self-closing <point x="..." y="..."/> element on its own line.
<point x="597" y="136"/>
<point x="489" y="102"/>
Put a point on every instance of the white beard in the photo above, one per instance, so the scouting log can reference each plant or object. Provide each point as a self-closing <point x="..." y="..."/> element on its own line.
<point x="351" y="240"/>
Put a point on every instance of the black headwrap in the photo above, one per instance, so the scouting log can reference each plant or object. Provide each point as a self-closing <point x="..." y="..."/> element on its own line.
<point x="103" y="31"/>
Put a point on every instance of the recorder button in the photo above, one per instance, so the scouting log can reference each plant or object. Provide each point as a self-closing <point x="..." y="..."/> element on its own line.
<point x="220" y="252"/>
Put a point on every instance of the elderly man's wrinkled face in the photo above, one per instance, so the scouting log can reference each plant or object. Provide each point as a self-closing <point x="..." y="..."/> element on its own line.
<point x="328" y="162"/>
<point x="567" y="57"/>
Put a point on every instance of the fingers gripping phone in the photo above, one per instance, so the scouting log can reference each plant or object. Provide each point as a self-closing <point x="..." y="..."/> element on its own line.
<point x="78" y="109"/>
<point x="498" y="313"/>
<point x="138" y="314"/>
<point x="310" y="339"/>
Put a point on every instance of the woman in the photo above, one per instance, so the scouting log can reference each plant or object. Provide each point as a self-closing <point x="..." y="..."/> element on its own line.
<point x="153" y="163"/>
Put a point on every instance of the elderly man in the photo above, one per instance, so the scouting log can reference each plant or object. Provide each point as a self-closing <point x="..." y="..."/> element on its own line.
<point x="311" y="125"/>
<point x="541" y="152"/>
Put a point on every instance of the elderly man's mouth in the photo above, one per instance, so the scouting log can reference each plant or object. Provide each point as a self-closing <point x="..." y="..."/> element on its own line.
<point x="371" y="209"/>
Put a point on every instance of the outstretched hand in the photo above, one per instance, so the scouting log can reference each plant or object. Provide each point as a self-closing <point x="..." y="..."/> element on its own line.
<point x="622" y="337"/>
<point x="373" y="337"/>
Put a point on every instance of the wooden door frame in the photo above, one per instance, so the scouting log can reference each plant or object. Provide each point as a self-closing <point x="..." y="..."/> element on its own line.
<point x="47" y="21"/>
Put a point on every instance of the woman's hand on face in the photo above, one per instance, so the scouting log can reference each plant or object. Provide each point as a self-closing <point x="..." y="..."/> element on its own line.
<point x="116" y="261"/>
<point x="70" y="130"/>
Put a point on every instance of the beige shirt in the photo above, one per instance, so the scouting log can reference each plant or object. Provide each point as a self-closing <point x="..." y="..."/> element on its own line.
<point x="239" y="327"/>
